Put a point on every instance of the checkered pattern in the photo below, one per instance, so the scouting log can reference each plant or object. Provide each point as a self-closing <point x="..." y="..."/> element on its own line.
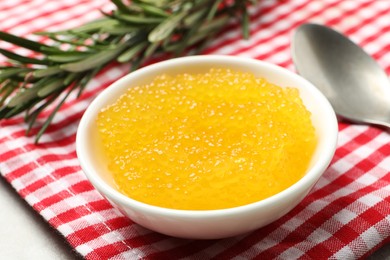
<point x="346" y="215"/>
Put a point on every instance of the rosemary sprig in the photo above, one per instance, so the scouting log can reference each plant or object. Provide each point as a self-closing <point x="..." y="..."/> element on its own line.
<point x="132" y="33"/>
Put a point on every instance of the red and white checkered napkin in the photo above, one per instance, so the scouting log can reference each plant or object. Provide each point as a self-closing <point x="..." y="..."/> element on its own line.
<point x="346" y="216"/>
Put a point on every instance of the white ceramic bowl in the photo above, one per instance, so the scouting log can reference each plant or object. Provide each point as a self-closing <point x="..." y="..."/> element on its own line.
<point x="209" y="224"/>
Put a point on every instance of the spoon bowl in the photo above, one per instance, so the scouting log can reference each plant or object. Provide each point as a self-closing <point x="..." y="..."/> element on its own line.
<point x="354" y="83"/>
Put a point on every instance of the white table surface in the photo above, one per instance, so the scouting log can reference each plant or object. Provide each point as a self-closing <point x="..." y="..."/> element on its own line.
<point x="25" y="235"/>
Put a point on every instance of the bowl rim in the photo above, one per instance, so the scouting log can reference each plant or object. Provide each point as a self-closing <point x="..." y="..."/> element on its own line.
<point x="306" y="182"/>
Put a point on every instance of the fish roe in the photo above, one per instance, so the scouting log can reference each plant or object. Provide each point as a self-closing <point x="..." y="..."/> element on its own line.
<point x="206" y="141"/>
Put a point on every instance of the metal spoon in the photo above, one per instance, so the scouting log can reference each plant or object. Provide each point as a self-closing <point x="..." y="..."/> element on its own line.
<point x="355" y="85"/>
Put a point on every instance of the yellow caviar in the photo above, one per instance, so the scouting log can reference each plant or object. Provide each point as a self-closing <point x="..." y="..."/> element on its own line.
<point x="214" y="140"/>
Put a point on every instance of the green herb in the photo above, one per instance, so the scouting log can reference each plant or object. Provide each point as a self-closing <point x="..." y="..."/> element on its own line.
<point x="132" y="33"/>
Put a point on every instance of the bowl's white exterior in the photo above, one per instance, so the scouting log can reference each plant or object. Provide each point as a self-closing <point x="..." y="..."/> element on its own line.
<point x="209" y="224"/>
